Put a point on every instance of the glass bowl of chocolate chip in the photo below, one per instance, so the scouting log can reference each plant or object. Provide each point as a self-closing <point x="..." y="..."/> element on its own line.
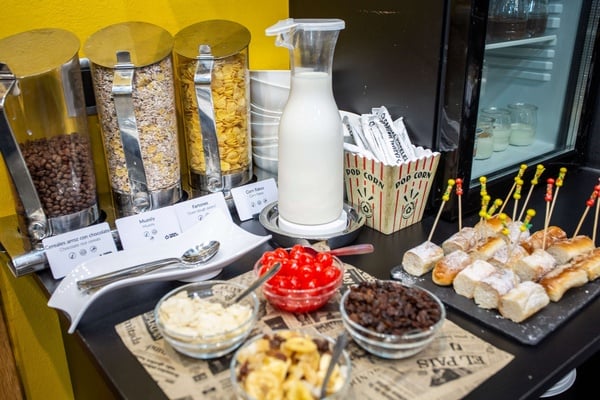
<point x="390" y="319"/>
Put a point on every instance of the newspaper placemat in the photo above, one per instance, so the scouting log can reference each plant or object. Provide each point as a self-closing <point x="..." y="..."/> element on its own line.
<point x="454" y="364"/>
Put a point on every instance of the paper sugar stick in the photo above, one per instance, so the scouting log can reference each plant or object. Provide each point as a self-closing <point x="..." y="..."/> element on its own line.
<point x="559" y="182"/>
<point x="548" y="200"/>
<point x="518" y="177"/>
<point x="517" y="196"/>
<point x="459" y="192"/>
<point x="445" y="198"/>
<point x="588" y="204"/>
<point x="538" y="172"/>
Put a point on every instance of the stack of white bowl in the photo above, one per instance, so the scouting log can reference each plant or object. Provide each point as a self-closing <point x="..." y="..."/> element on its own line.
<point x="269" y="90"/>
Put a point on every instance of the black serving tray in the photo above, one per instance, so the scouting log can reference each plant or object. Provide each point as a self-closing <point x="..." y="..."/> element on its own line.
<point x="532" y="330"/>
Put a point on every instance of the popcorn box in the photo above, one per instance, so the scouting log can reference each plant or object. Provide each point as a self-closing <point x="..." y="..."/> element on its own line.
<point x="390" y="197"/>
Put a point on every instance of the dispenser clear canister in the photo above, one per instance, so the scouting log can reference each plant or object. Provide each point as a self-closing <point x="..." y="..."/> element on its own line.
<point x="132" y="75"/>
<point x="45" y="140"/>
<point x="212" y="83"/>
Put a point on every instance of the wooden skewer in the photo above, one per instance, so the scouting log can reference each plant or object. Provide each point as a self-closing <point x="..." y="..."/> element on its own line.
<point x="588" y="204"/>
<point x="548" y="199"/>
<point x="559" y="182"/>
<point x="538" y="172"/>
<point x="524" y="226"/>
<point x="518" y="177"/>
<point x="484" y="197"/>
<point x="459" y="192"/>
<point x="497" y="203"/>
<point x="596" y="222"/>
<point x="445" y="198"/>
<point x="517" y="196"/>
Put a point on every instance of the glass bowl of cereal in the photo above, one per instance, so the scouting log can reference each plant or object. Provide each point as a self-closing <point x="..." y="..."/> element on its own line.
<point x="289" y="364"/>
<point x="391" y="320"/>
<point x="196" y="321"/>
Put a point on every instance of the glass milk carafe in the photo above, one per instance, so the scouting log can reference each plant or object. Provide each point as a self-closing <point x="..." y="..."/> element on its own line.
<point x="310" y="171"/>
<point x="44" y="136"/>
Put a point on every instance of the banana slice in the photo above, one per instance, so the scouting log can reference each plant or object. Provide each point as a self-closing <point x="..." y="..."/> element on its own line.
<point x="299" y="345"/>
<point x="296" y="390"/>
<point x="264" y="385"/>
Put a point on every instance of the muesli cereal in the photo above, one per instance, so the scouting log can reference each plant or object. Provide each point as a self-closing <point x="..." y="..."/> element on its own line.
<point x="154" y="107"/>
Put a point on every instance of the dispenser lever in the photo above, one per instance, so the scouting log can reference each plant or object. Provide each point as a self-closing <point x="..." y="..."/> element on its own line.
<point x="122" y="90"/>
<point x="37" y="222"/>
<point x="206" y="114"/>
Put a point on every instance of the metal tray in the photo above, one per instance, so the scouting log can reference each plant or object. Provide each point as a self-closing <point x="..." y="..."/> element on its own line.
<point x="269" y="220"/>
<point x="532" y="330"/>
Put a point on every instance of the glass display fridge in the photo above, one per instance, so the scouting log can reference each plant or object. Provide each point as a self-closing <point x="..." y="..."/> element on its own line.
<point x="447" y="67"/>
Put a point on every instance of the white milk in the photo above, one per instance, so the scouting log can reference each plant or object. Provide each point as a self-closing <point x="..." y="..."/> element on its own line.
<point x="311" y="150"/>
<point x="501" y="138"/>
<point x="484" y="146"/>
<point x="521" y="134"/>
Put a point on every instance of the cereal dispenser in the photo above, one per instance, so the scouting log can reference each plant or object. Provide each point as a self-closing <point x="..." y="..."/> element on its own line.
<point x="44" y="136"/>
<point x="132" y="76"/>
<point x="211" y="73"/>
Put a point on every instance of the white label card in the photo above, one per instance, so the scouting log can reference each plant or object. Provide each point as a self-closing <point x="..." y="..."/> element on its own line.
<point x="250" y="199"/>
<point x="192" y="211"/>
<point x="67" y="250"/>
<point x="148" y="227"/>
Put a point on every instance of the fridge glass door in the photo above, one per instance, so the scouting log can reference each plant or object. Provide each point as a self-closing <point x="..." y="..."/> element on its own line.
<point x="531" y="77"/>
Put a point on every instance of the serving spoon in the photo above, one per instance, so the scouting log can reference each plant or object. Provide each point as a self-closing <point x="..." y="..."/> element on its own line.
<point x="338" y="349"/>
<point x="254" y="285"/>
<point x="365" y="248"/>
<point x="189" y="259"/>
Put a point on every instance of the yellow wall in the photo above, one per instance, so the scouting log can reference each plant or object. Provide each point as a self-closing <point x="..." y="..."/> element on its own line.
<point x="86" y="17"/>
<point x="34" y="328"/>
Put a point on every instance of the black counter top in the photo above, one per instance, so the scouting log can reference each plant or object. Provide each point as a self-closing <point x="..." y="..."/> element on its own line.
<point x="533" y="370"/>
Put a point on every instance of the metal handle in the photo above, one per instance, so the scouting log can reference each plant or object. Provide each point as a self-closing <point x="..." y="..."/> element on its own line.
<point x="136" y="270"/>
<point x="274" y="269"/>
<point x="37" y="222"/>
<point x="206" y="114"/>
<point x="122" y="94"/>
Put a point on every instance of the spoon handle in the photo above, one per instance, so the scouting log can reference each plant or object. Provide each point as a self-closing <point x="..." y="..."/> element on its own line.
<point x="338" y="348"/>
<point x="136" y="270"/>
<point x="272" y="271"/>
<point x="364" y="248"/>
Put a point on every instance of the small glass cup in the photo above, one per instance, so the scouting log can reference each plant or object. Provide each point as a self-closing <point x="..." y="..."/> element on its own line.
<point x="500" y="127"/>
<point x="523" y="123"/>
<point x="484" y="138"/>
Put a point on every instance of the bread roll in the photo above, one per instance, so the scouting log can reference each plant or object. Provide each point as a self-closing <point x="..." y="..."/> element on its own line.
<point x="565" y="250"/>
<point x="515" y="234"/>
<point x="536" y="240"/>
<point x="522" y="301"/>
<point x="561" y="279"/>
<point x="508" y="256"/>
<point x="534" y="266"/>
<point x="490" y="227"/>
<point x="489" y="290"/>
<point x="466" y="280"/>
<point x="590" y="263"/>
<point x="445" y="270"/>
<point x="465" y="240"/>
<point x="487" y="249"/>
<point x="421" y="259"/>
